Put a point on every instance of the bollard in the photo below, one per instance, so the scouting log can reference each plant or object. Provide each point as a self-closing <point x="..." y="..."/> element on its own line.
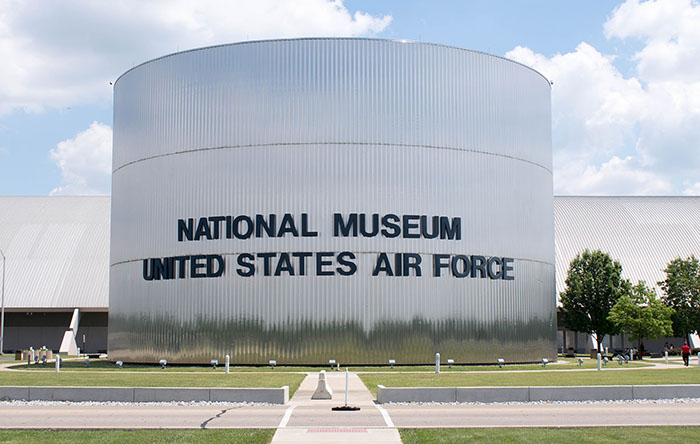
<point x="323" y="390"/>
<point x="228" y="362"/>
<point x="437" y="362"/>
<point x="599" y="361"/>
<point x="58" y="363"/>
<point x="666" y="357"/>
<point x="29" y="359"/>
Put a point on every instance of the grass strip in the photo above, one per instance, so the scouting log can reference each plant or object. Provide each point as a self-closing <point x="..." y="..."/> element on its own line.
<point x="581" y="435"/>
<point x="108" y="379"/>
<point x="101" y="364"/>
<point x="689" y="375"/>
<point x="235" y="436"/>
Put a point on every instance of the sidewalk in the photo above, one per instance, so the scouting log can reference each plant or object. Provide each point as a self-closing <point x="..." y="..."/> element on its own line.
<point x="313" y="421"/>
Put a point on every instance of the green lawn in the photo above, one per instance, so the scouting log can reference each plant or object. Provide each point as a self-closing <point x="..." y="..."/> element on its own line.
<point x="589" y="435"/>
<point x="236" y="436"/>
<point x="563" y="364"/>
<point x="625" y="377"/>
<point x="127" y="379"/>
<point x="101" y="364"/>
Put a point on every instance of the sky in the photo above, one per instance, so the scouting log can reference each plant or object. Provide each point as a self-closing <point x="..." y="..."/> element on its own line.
<point x="625" y="94"/>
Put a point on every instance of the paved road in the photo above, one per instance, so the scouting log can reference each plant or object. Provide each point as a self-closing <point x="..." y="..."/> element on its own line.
<point x="138" y="416"/>
<point x="543" y="415"/>
<point x="141" y="416"/>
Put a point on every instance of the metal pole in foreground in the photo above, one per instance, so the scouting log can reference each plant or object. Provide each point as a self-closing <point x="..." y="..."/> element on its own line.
<point x="437" y="362"/>
<point x="666" y="356"/>
<point x="598" y="361"/>
<point x="2" y="317"/>
<point x="346" y="385"/>
<point x="346" y="407"/>
<point x="228" y="361"/>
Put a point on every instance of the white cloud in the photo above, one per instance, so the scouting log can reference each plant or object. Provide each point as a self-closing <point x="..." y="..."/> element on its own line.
<point x="628" y="135"/>
<point x="85" y="162"/>
<point x="670" y="30"/>
<point x="692" y="190"/>
<point x="56" y="54"/>
<point x="616" y="176"/>
<point x="594" y="108"/>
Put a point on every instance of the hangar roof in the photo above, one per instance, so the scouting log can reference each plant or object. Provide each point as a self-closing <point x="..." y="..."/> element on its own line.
<point x="57" y="248"/>
<point x="57" y="251"/>
<point x="643" y="233"/>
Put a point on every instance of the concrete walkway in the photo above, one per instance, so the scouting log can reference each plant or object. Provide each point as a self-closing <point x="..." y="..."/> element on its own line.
<point x="312" y="420"/>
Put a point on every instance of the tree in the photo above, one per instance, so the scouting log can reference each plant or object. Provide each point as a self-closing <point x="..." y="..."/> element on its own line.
<point x="641" y="315"/>
<point x="593" y="286"/>
<point x="682" y="288"/>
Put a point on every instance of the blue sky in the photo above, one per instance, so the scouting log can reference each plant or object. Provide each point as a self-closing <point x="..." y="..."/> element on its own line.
<point x="626" y="94"/>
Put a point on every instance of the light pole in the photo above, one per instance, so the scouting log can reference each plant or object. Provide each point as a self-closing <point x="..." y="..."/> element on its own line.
<point x="2" y="316"/>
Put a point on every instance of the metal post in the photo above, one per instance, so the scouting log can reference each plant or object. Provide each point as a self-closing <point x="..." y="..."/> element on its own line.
<point x="2" y="317"/>
<point x="58" y="363"/>
<point x="437" y="362"/>
<point x="598" y="361"/>
<point x="346" y="386"/>
<point x="228" y="361"/>
<point x="666" y="356"/>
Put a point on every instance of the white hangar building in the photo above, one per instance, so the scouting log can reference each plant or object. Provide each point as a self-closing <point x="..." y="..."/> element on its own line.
<point x="56" y="260"/>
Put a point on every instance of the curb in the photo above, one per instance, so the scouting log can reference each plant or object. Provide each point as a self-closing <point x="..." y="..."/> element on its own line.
<point x="531" y="394"/>
<point x="145" y="394"/>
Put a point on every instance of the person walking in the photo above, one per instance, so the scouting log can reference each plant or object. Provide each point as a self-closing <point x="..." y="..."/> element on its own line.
<point x="685" y="351"/>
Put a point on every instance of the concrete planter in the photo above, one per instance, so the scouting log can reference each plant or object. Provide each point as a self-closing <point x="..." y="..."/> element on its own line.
<point x="146" y="394"/>
<point x="528" y="394"/>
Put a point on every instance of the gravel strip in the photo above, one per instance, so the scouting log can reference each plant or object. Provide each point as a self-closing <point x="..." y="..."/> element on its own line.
<point x="520" y="403"/>
<point x="138" y="404"/>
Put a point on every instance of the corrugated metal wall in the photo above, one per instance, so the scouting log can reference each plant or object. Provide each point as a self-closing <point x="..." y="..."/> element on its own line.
<point x="57" y="251"/>
<point x="643" y="233"/>
<point x="323" y="126"/>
